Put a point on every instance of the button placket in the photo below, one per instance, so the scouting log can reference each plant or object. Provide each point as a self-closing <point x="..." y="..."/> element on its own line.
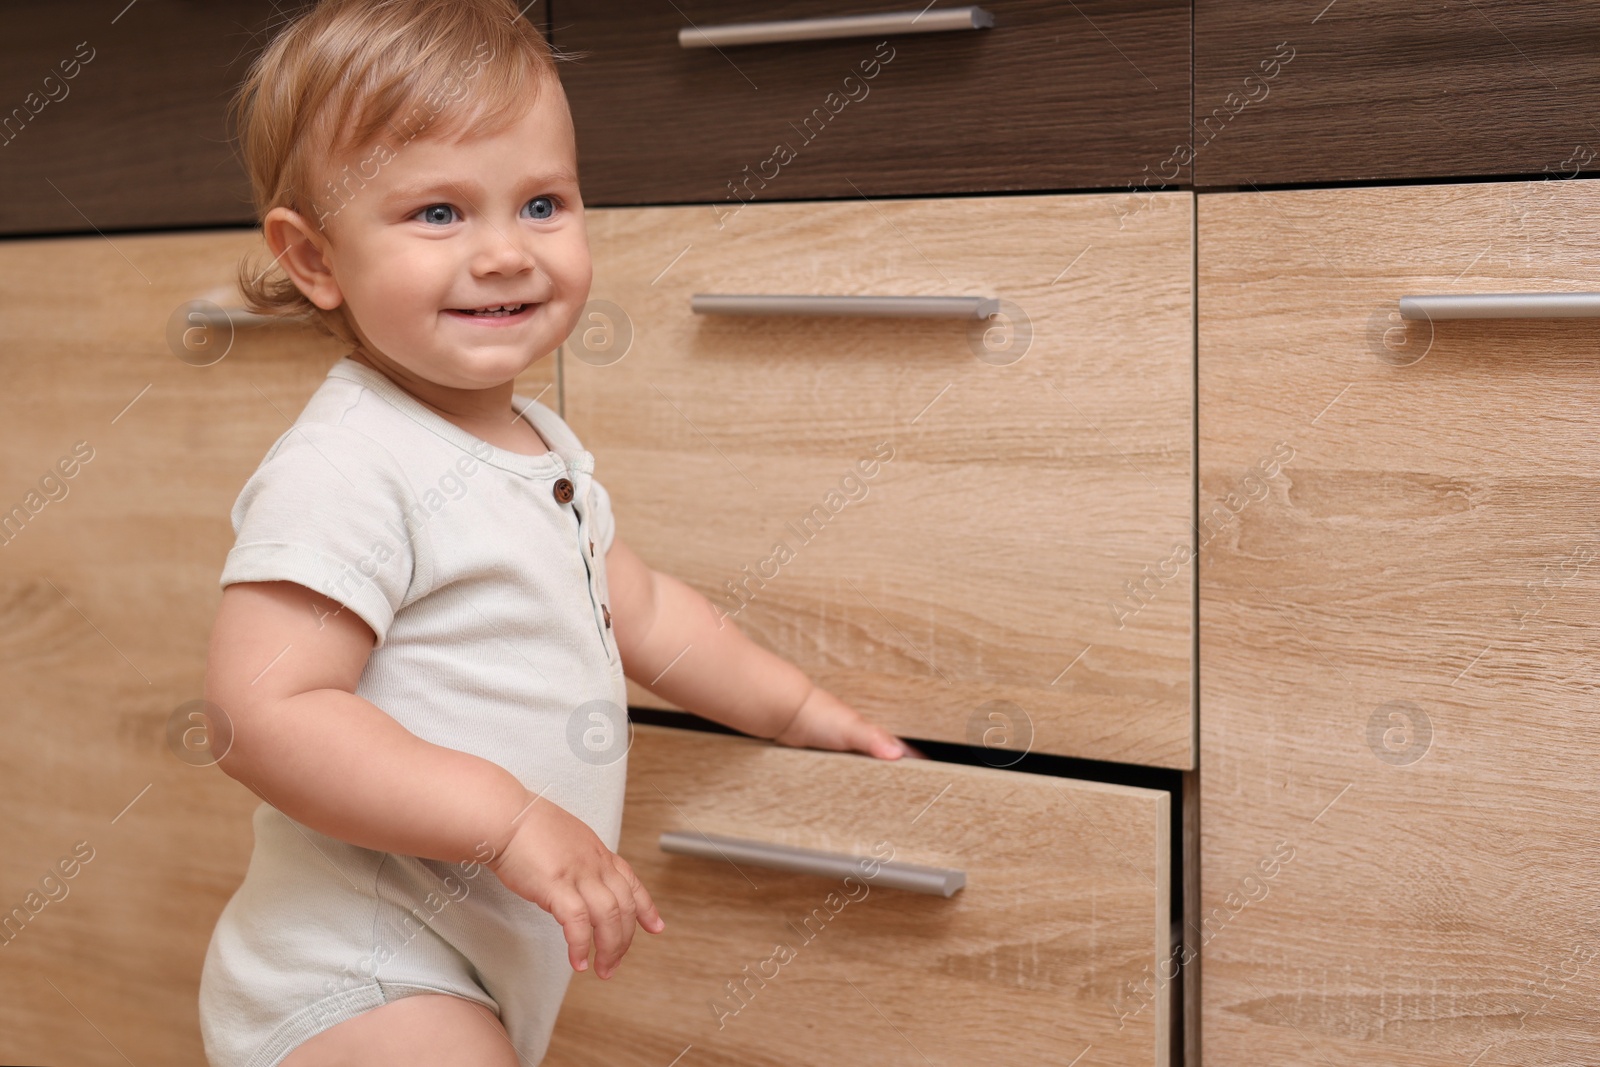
<point x="597" y="590"/>
<point x="566" y="489"/>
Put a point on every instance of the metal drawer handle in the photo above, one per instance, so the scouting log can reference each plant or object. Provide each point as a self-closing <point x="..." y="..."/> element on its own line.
<point x="876" y="307"/>
<point x="205" y="313"/>
<point x="939" y="881"/>
<point x="1502" y="306"/>
<point x="890" y="22"/>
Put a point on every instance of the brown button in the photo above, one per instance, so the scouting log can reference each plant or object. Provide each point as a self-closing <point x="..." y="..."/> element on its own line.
<point x="607" y="613"/>
<point x="563" y="490"/>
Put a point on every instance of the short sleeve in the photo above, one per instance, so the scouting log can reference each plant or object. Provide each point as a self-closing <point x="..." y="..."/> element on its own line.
<point x="604" y="524"/>
<point x="328" y="509"/>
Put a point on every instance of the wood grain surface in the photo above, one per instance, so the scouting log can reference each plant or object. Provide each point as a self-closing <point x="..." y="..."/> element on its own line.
<point x="1054" y="96"/>
<point x="985" y="569"/>
<point x="107" y="595"/>
<point x="1394" y="89"/>
<point x="136" y="137"/>
<point x="1397" y="643"/>
<point x="1065" y="905"/>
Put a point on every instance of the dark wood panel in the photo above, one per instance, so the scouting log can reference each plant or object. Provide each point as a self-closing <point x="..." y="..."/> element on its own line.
<point x="1055" y="96"/>
<point x="113" y="115"/>
<point x="1396" y="89"/>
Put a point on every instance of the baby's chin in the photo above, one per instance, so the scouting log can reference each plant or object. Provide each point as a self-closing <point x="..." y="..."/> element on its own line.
<point x="469" y="367"/>
<point x="486" y="369"/>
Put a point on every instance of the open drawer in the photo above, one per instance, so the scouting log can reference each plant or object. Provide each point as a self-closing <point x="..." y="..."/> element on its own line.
<point x="1042" y="955"/>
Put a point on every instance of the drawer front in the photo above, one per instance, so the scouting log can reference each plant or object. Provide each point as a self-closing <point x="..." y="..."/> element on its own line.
<point x="1053" y="96"/>
<point x="1397" y="648"/>
<point x="1064" y="908"/>
<point x="981" y="550"/>
<point x="119" y="122"/>
<point x="126" y="461"/>
<point x="1390" y="89"/>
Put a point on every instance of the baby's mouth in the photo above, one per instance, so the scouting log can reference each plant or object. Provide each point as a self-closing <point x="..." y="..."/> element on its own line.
<point x="498" y="311"/>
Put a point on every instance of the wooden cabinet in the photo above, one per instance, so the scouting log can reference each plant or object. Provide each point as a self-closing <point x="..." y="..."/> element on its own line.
<point x="973" y="531"/>
<point x="1392" y="89"/>
<point x="108" y="588"/>
<point x="113" y="115"/>
<point x="1397" y="653"/>
<point x="1052" y="96"/>
<point x="1065" y="905"/>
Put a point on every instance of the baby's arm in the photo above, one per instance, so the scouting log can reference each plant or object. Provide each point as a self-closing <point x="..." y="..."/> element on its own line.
<point x="283" y="665"/>
<point x="674" y="643"/>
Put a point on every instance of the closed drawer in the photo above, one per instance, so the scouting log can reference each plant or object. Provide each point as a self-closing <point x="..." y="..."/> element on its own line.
<point x="1064" y="906"/>
<point x="941" y="521"/>
<point x="1053" y="96"/>
<point x="119" y="122"/>
<point x="1397" y="653"/>
<point x="1393" y="89"/>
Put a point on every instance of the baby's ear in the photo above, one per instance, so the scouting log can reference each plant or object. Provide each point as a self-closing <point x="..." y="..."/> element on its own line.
<point x="301" y="249"/>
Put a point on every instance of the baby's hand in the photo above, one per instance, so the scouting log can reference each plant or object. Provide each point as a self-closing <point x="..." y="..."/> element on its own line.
<point x="825" y="721"/>
<point x="556" y="861"/>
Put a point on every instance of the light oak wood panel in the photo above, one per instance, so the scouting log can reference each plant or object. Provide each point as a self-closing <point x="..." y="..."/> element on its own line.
<point x="1397" y="637"/>
<point x="106" y="600"/>
<point x="1065" y="905"/>
<point x="991" y="558"/>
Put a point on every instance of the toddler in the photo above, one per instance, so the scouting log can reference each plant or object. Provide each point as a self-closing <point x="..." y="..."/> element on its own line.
<point x="427" y="615"/>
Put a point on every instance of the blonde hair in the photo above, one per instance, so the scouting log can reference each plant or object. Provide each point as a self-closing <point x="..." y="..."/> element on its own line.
<point x="339" y="77"/>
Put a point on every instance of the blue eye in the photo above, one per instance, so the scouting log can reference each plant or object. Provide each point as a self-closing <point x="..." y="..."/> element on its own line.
<point x="437" y="214"/>
<point x="540" y="207"/>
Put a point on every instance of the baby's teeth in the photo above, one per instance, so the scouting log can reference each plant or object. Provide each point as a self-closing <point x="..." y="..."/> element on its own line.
<point x="503" y="309"/>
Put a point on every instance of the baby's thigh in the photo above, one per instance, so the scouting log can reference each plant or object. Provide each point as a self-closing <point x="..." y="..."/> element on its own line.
<point x="424" y="1030"/>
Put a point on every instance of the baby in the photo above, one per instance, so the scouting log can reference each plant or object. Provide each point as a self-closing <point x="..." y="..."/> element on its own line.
<point x="428" y="615"/>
